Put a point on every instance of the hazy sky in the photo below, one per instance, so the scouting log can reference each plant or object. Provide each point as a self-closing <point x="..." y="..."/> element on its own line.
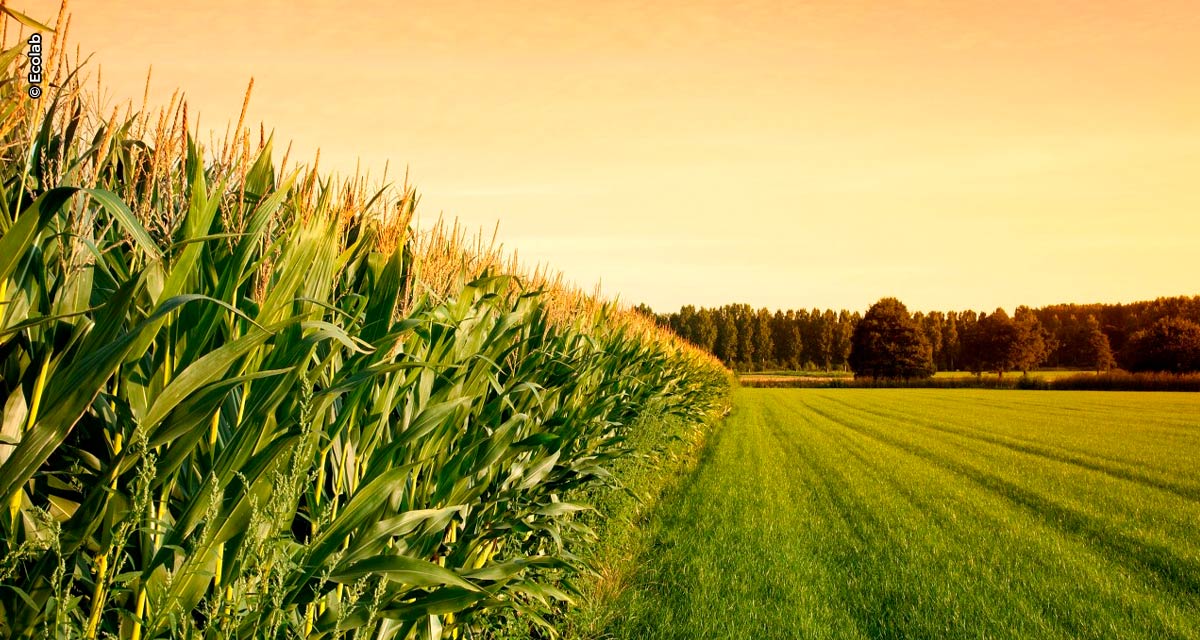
<point x="786" y="154"/>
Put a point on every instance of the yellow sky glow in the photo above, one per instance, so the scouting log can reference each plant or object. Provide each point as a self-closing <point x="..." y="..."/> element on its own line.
<point x="953" y="154"/>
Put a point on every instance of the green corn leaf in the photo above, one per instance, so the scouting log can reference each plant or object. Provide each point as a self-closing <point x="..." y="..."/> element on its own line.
<point x="125" y="217"/>
<point x="402" y="569"/>
<point x="511" y="568"/>
<point x="71" y="390"/>
<point x="17" y="241"/>
<point x="405" y="523"/>
<point x="206" y="370"/>
<point x="365" y="505"/>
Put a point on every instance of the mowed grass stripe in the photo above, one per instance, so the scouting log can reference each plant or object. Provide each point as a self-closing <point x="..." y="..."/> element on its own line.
<point x="1030" y="609"/>
<point x="1067" y="432"/>
<point x="739" y="533"/>
<point x="807" y="518"/>
<point x="982" y="433"/>
<point x="1136" y="523"/>
<point x="1147" y="556"/>
<point x="1161" y="418"/>
<point x="926" y="538"/>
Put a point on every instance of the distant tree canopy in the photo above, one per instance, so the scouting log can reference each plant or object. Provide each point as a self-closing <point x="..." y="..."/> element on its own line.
<point x="1171" y="344"/>
<point x="888" y="343"/>
<point x="998" y="343"/>
<point x="749" y="338"/>
<point x="1062" y="336"/>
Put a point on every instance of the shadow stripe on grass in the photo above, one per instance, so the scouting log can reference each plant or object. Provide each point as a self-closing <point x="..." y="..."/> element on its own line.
<point x="1156" y="562"/>
<point x="1065" y="456"/>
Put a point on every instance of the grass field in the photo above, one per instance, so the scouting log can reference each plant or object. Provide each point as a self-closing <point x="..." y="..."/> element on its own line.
<point x="880" y="513"/>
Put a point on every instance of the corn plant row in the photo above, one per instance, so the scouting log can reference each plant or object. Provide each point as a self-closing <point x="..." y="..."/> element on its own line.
<point x="242" y="399"/>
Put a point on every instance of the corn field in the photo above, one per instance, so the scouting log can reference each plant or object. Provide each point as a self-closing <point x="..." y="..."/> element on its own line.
<point x="245" y="399"/>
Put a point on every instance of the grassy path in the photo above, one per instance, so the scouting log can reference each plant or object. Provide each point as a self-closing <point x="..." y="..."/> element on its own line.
<point x="848" y="513"/>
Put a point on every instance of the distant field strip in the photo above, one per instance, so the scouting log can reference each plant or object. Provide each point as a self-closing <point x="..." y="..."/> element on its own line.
<point x="889" y="513"/>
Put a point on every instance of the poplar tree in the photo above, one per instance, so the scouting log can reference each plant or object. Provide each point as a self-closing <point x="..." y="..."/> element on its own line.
<point x="1098" y="350"/>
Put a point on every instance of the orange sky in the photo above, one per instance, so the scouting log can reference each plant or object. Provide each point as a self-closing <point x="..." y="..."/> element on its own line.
<point x="953" y="154"/>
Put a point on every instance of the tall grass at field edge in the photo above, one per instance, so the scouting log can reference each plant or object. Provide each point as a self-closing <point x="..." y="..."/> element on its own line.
<point x="665" y="450"/>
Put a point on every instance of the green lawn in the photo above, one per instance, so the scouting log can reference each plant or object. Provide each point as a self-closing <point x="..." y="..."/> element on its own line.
<point x="917" y="513"/>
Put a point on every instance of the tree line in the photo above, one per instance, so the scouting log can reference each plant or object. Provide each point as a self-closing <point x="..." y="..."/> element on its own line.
<point x="1154" y="335"/>
<point x="751" y="339"/>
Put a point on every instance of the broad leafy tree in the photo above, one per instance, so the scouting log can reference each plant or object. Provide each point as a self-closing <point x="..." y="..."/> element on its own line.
<point x="888" y="344"/>
<point x="1032" y="344"/>
<point x="1171" y="344"/>
<point x="989" y="343"/>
